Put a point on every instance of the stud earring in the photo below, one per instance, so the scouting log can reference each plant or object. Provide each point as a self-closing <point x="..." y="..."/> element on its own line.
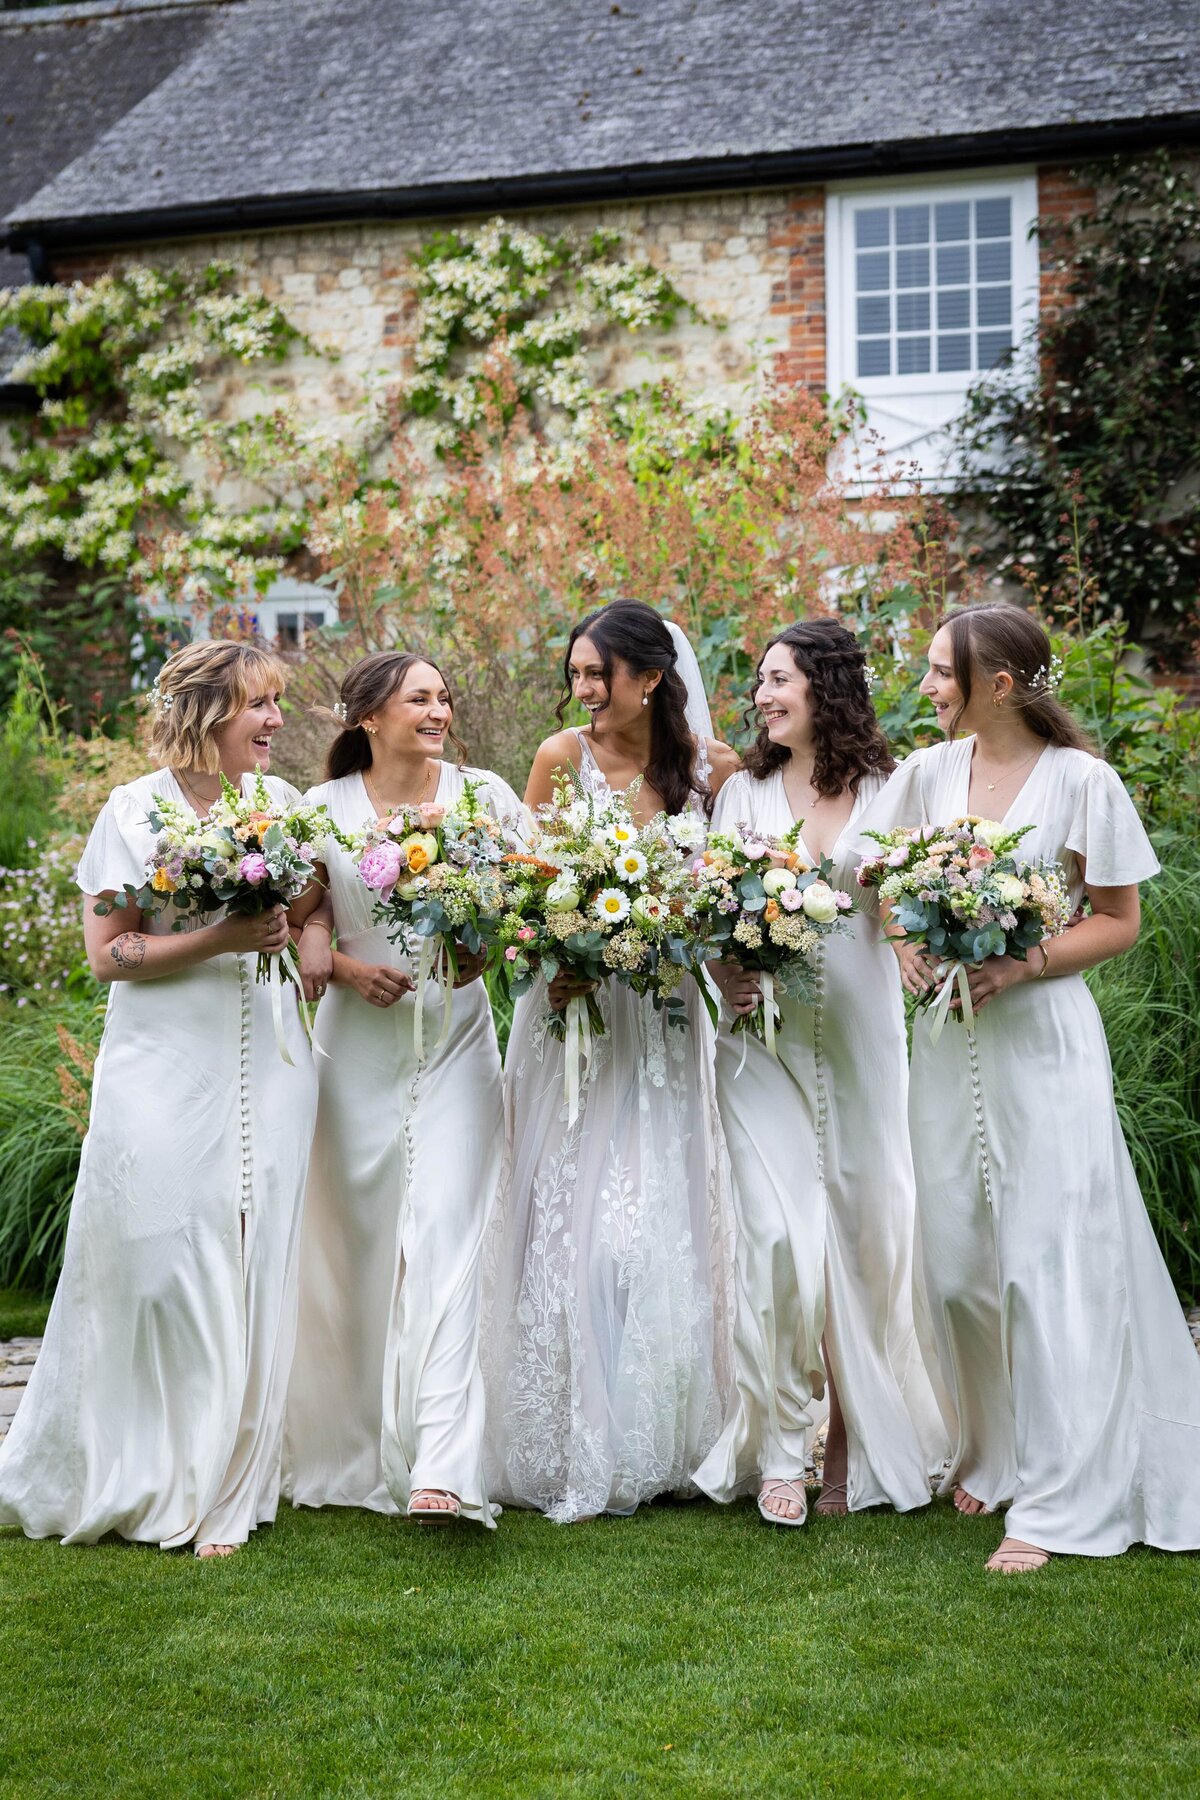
<point x="371" y="728"/>
<point x="997" y="700"/>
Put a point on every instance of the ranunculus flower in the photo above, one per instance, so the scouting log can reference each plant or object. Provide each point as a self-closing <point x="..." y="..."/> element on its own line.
<point x="380" y="867"/>
<point x="526" y="932"/>
<point x="980" y="857"/>
<point x="820" y="902"/>
<point x="754" y="850"/>
<point x="896" y="859"/>
<point x="987" y="832"/>
<point x="253" y="868"/>
<point x="1010" y="889"/>
<point x="431" y="814"/>
<point x="648" y="909"/>
<point x="777" y="881"/>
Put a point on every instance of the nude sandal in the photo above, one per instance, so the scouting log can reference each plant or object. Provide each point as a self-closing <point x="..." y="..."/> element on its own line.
<point x="783" y="1490"/>
<point x="1015" y="1559"/>
<point x="435" y="1515"/>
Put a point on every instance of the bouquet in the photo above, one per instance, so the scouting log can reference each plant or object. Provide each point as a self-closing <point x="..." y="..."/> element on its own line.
<point x="963" y="895"/>
<point x="602" y="897"/>
<point x="768" y="910"/>
<point x="247" y="856"/>
<point x="437" y="878"/>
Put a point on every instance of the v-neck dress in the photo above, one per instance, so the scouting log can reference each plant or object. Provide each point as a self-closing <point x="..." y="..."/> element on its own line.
<point x="156" y="1406"/>
<point x="1074" y="1377"/>
<point x="608" y="1277"/>
<point x="386" y="1393"/>
<point x="823" y="1191"/>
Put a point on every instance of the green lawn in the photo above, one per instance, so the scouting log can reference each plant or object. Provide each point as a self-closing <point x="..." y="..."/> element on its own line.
<point x="22" y="1314"/>
<point x="685" y="1651"/>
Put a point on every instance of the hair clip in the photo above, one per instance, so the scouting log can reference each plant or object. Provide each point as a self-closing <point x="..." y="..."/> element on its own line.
<point x="158" y="700"/>
<point x="1048" y="680"/>
<point x="870" y="678"/>
<point x="339" y="711"/>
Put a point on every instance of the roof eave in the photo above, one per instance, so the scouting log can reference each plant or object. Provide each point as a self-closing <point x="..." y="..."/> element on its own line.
<point x="583" y="186"/>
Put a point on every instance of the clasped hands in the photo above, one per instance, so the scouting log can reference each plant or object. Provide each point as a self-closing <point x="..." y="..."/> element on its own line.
<point x="918" y="973"/>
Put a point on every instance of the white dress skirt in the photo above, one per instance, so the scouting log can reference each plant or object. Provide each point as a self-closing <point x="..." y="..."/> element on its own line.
<point x="1074" y="1377"/>
<point x="386" y="1394"/>
<point x="156" y="1406"/>
<point x="823" y="1190"/>
<point x="608" y="1267"/>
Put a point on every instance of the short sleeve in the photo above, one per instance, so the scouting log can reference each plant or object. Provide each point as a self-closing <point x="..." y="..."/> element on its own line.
<point x="732" y="804"/>
<point x="899" y="803"/>
<point x="120" y="842"/>
<point x="282" y="792"/>
<point x="1106" y="833"/>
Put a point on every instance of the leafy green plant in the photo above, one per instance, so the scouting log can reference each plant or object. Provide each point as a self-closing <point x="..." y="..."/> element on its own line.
<point x="30" y="766"/>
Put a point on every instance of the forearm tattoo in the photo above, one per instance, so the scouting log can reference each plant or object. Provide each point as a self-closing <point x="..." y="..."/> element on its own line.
<point x="129" y="950"/>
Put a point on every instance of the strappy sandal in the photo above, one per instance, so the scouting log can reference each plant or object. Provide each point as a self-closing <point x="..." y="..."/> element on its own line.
<point x="983" y="1512"/>
<point x="1012" y="1558"/>
<point x="783" y="1490"/>
<point x="434" y="1515"/>
<point x="837" y="1493"/>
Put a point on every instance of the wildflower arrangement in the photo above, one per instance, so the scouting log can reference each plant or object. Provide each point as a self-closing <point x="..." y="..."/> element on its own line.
<point x="248" y="855"/>
<point x="437" y="876"/>
<point x="766" y="908"/>
<point x="41" y="949"/>
<point x="961" y="892"/>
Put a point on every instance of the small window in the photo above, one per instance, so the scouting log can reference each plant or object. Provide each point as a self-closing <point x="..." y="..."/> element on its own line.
<point x="287" y="630"/>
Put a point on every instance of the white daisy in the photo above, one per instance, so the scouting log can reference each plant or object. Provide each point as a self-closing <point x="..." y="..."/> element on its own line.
<point x="631" y="865"/>
<point x="611" y="905"/>
<point x="622" y="834"/>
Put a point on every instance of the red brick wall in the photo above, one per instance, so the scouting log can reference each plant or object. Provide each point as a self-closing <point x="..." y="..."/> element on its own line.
<point x="1060" y="199"/>
<point x="798" y="292"/>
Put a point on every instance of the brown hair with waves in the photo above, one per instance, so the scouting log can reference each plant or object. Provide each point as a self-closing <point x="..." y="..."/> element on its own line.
<point x="205" y="685"/>
<point x="999" y="637"/>
<point x="849" y="741"/>
<point x="366" y="687"/>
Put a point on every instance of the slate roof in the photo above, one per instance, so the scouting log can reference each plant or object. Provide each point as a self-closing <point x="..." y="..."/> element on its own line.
<point x="277" y="109"/>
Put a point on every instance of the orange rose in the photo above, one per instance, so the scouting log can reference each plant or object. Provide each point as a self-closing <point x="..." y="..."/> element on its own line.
<point x="161" y="882"/>
<point x="418" y="859"/>
<point x="771" y="911"/>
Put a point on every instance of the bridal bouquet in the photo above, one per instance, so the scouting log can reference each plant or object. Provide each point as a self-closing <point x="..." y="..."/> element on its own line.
<point x="248" y="855"/>
<point x="763" y="907"/>
<point x="437" y="875"/>
<point x="961" y="892"/>
<point x="602" y="897"/>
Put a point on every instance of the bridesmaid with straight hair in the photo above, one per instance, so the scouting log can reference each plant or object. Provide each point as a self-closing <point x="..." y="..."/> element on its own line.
<point x="1075" y="1381"/>
<point x="818" y="1139"/>
<point x="385" y="1408"/>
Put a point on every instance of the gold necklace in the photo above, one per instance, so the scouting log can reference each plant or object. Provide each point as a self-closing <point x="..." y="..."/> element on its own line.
<point x="993" y="785"/>
<point x="383" y="806"/>
<point x="198" y="797"/>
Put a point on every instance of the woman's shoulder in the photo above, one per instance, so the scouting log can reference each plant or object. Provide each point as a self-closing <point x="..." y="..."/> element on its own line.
<point x="724" y="763"/>
<point x="561" y="746"/>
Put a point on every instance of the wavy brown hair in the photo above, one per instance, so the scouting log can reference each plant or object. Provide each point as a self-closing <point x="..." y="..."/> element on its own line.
<point x="366" y="687"/>
<point x="848" y="738"/>
<point x="1001" y="637"/>
<point x="633" y="632"/>
<point x="206" y="685"/>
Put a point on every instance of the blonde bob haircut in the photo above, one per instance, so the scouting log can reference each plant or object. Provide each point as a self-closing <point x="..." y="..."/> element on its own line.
<point x="198" y="690"/>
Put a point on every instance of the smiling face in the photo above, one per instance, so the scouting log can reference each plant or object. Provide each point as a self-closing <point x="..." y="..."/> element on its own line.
<point x="613" y="703"/>
<point x="244" y="742"/>
<point x="414" y="719"/>
<point x="941" y="687"/>
<point x="783" y="697"/>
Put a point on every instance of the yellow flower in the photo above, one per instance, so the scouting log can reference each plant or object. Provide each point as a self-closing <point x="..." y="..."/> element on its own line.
<point x="161" y="882"/>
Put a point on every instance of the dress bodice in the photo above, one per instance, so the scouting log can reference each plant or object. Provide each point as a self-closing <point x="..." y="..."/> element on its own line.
<point x="762" y="805"/>
<point x="596" y="782"/>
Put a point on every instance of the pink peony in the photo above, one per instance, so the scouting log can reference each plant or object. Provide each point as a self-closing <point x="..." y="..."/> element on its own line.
<point x="253" y="868"/>
<point x="791" y="899"/>
<point x="380" y="868"/>
<point x="431" y="814"/>
<point x="511" y="953"/>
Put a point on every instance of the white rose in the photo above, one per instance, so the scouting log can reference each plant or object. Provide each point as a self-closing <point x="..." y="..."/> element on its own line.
<point x="777" y="881"/>
<point x="1010" y="889"/>
<point x="820" y="902"/>
<point x="988" y="833"/>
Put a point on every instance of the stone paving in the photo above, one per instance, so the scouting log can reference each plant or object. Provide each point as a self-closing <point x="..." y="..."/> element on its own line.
<point x="18" y="1355"/>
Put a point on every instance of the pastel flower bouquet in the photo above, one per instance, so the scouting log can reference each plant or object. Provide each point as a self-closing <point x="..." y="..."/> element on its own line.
<point x="602" y="898"/>
<point x="769" y="910"/>
<point x="961" y="893"/>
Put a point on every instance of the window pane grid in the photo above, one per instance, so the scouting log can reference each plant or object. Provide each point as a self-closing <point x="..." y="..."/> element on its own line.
<point x="933" y="286"/>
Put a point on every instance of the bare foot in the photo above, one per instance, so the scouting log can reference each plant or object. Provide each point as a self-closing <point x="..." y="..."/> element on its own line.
<point x="969" y="1505"/>
<point x="433" y="1503"/>
<point x="1015" y="1557"/>
<point x="783" y="1502"/>
<point x="204" y="1551"/>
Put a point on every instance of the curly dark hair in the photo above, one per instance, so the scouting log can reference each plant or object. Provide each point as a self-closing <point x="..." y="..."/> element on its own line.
<point x="635" y="633"/>
<point x="849" y="741"/>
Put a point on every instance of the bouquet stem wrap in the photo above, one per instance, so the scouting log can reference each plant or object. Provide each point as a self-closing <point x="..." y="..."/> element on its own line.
<point x="579" y="1052"/>
<point x="430" y="967"/>
<point x="771" y="1018"/>
<point x="945" y="994"/>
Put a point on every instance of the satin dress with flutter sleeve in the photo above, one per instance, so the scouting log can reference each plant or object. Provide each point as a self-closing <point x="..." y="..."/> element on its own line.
<point x="1076" y="1384"/>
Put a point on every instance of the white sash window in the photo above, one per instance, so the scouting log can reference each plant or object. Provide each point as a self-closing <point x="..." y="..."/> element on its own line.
<point x="929" y="285"/>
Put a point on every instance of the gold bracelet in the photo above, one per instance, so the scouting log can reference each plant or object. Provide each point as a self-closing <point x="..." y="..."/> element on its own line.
<point x="323" y="923"/>
<point x="1045" y="962"/>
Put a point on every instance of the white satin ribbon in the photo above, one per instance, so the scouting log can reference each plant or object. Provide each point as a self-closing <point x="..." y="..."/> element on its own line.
<point x="579" y="1052"/>
<point x="430" y="969"/>
<point x="945" y="994"/>
<point x="771" y="1016"/>
<point x="275" y="982"/>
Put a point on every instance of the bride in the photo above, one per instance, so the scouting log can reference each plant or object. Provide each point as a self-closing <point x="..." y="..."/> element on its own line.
<point x="607" y="1267"/>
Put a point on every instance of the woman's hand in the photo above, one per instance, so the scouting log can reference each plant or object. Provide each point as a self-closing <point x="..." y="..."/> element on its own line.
<point x="471" y="965"/>
<point x="253" y="934"/>
<point x="316" y="961"/>
<point x="740" y="987"/>
<point x="377" y="983"/>
<point x="566" y="987"/>
<point x="917" y="973"/>
<point x="987" y="979"/>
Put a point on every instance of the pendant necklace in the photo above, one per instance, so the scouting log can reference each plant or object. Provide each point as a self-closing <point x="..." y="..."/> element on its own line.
<point x="381" y="807"/>
<point x="993" y="785"/>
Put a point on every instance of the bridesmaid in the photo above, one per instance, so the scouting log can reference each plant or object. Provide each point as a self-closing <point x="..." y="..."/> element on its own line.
<point x="822" y="1175"/>
<point x="1074" y="1376"/>
<point x="156" y="1406"/>
<point x="607" y="1266"/>
<point x="385" y="1407"/>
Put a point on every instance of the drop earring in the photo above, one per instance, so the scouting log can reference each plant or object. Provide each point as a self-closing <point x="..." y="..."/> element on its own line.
<point x="645" y="699"/>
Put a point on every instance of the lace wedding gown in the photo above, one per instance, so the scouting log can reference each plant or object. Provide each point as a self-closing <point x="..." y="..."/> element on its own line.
<point x="1074" y="1375"/>
<point x="608" y="1263"/>
<point x="386" y="1393"/>
<point x="823" y="1190"/>
<point x="156" y="1405"/>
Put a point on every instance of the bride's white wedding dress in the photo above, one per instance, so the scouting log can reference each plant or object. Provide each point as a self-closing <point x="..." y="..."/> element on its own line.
<point x="607" y="1268"/>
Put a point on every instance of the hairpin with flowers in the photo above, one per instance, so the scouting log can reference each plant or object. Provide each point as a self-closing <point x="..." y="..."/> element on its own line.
<point x="1048" y="680"/>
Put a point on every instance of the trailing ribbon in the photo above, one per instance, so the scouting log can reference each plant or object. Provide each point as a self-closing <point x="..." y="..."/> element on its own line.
<point x="771" y="1015"/>
<point x="579" y="1051"/>
<point x="945" y="994"/>
<point x="275" y="981"/>
<point x="430" y="969"/>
